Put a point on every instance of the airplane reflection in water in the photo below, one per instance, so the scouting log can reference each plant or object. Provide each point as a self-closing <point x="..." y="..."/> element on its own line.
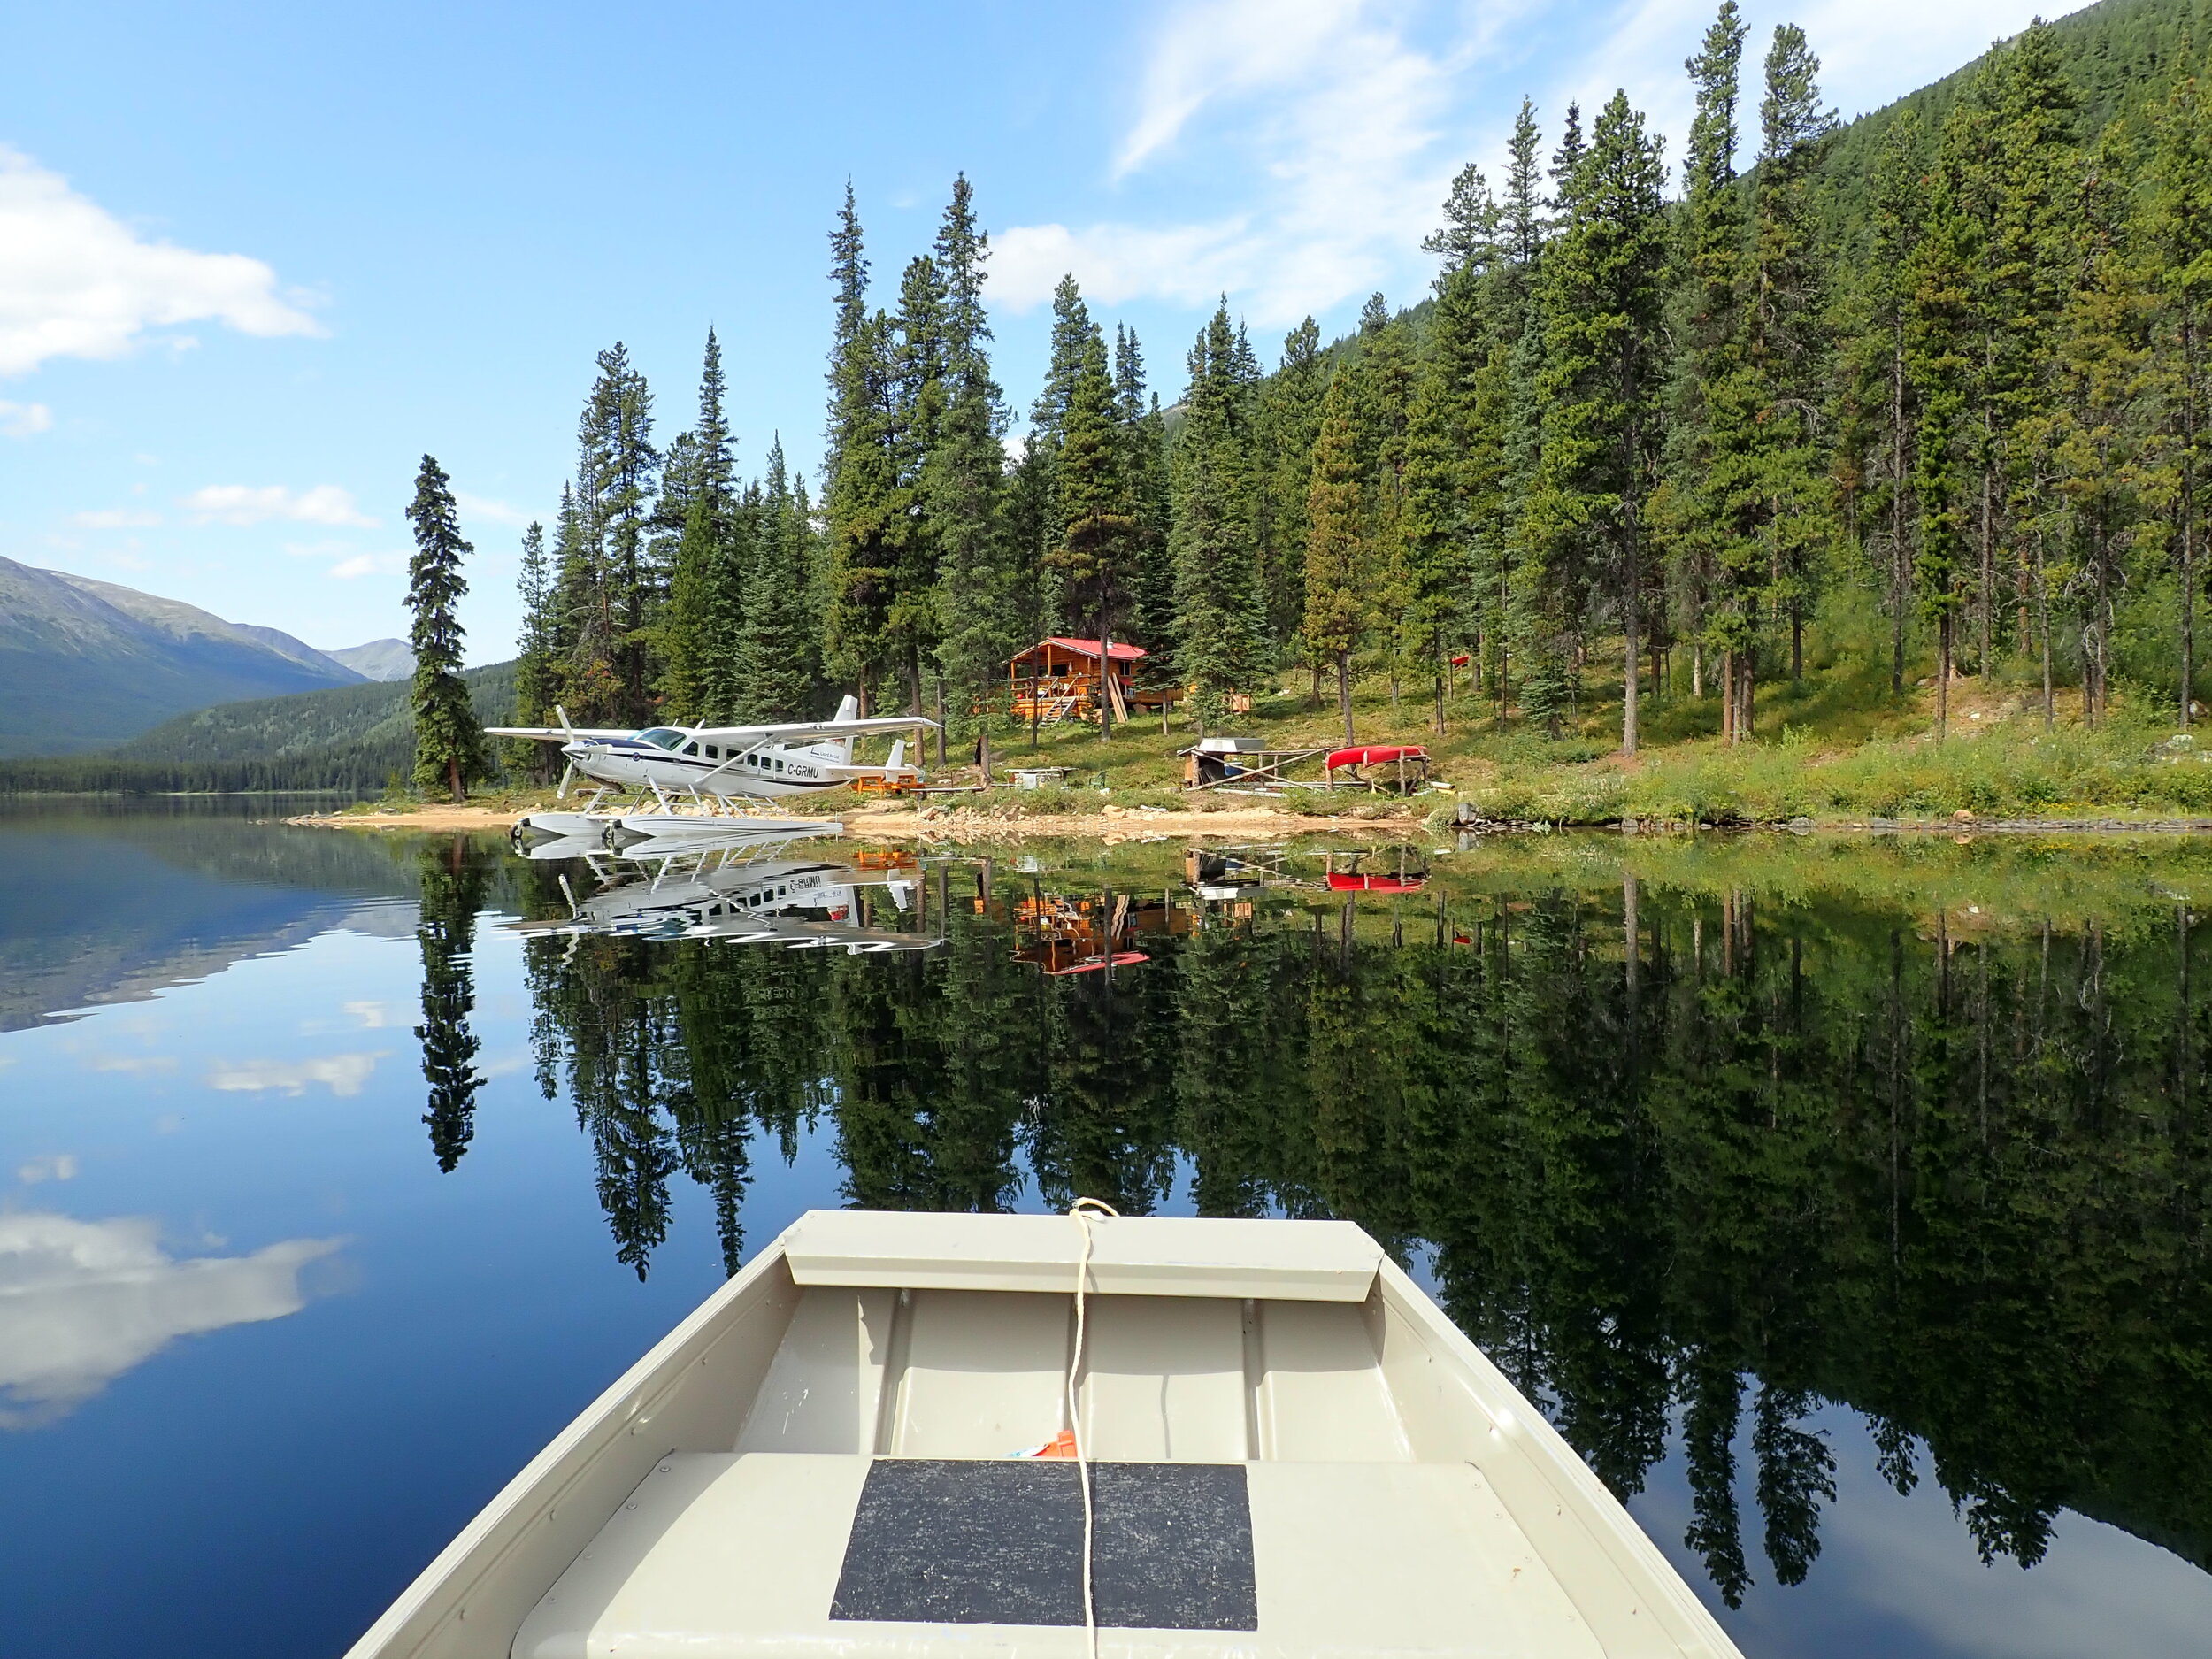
<point x="748" y="893"/>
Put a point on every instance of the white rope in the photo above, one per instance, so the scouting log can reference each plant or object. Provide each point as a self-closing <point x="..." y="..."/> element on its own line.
<point x="1081" y="1212"/>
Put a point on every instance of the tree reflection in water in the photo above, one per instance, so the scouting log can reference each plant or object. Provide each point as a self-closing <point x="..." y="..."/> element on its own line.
<point x="1679" y="1155"/>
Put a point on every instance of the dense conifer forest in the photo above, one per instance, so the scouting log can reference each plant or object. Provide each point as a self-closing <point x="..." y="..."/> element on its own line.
<point x="1930" y="389"/>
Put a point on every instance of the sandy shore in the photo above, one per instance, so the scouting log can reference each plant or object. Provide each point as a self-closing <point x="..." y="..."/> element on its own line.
<point x="1114" y="823"/>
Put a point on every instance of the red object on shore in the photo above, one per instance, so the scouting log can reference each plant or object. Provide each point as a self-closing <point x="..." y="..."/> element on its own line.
<point x="1341" y="882"/>
<point x="1374" y="755"/>
<point x="1459" y="661"/>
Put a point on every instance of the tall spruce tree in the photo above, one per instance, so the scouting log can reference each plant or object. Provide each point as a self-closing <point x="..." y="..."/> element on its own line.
<point x="1144" y="466"/>
<point x="777" y="644"/>
<point x="537" y="661"/>
<point x="2175" y="234"/>
<point x="1339" y="568"/>
<point x="1601" y="289"/>
<point x="1221" y="641"/>
<point x="964" y="477"/>
<point x="1286" y="420"/>
<point x="1711" y="488"/>
<point x="617" y="477"/>
<point x="860" y="474"/>
<point x="1786" y="344"/>
<point x="708" y="574"/>
<point x="448" y="739"/>
<point x="1093" y="554"/>
<point x="1897" y="215"/>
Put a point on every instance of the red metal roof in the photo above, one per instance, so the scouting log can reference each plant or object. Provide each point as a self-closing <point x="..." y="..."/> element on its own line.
<point x="1115" y="649"/>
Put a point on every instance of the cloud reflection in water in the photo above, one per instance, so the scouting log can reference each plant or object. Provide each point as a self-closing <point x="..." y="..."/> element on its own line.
<point x="83" y="1302"/>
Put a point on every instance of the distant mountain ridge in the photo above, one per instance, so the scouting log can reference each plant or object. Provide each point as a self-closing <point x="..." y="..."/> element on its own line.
<point x="379" y="659"/>
<point x="84" y="663"/>
<point x="355" y="737"/>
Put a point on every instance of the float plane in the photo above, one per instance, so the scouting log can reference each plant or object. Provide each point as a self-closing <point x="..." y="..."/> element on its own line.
<point x="727" y="762"/>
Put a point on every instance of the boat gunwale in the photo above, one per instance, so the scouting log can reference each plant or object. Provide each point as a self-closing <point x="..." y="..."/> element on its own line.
<point x="502" y="1526"/>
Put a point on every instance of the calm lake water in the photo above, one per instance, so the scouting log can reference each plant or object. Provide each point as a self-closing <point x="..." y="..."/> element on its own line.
<point x="1844" y="1204"/>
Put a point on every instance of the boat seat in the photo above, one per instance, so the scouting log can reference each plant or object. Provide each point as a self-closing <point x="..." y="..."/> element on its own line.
<point x="756" y="1554"/>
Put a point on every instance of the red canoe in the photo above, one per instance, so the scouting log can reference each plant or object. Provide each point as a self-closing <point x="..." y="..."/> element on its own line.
<point x="1374" y="755"/>
<point x="1341" y="882"/>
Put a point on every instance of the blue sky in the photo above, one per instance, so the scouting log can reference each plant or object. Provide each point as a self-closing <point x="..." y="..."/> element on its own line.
<point x="255" y="261"/>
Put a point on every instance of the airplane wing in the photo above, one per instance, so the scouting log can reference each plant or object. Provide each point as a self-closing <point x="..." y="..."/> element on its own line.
<point x="556" y="735"/>
<point x="805" y="728"/>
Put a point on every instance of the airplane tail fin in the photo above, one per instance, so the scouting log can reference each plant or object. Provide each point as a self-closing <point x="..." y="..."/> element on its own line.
<point x="848" y="709"/>
<point x="898" y="754"/>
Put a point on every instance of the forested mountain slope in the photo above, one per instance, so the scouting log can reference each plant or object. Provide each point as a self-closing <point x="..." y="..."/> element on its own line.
<point x="348" y="737"/>
<point x="84" y="663"/>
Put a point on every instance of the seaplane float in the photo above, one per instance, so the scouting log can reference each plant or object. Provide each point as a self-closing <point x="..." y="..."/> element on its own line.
<point x="914" y="1436"/>
<point x="701" y="783"/>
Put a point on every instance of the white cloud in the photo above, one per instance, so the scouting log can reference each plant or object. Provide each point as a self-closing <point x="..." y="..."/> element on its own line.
<point x="342" y="1074"/>
<point x="1332" y="111"/>
<point x="77" y="283"/>
<point x="117" y="519"/>
<point x="61" y="1167"/>
<point x="23" y="420"/>
<point x="135" y="1064"/>
<point x="250" y="503"/>
<point x="370" y="564"/>
<point x="1306" y="145"/>
<point x="83" y="1302"/>
<point x="488" y="508"/>
<point x="370" y="1016"/>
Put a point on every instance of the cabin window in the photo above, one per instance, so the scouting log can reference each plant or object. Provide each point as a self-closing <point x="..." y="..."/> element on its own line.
<point x="779" y="766"/>
<point x="713" y="753"/>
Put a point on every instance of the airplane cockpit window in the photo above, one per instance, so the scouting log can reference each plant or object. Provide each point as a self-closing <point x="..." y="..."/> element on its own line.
<point x="691" y="749"/>
<point x="661" y="737"/>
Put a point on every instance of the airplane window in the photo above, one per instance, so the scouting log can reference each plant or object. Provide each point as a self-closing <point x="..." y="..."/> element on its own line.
<point x="691" y="749"/>
<point x="713" y="753"/>
<point x="779" y="766"/>
<point x="661" y="737"/>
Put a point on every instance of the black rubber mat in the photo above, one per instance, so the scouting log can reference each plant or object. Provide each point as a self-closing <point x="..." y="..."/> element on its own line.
<point x="1002" y="1543"/>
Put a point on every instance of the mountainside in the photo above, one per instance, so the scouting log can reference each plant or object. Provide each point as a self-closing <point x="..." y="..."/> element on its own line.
<point x="379" y="659"/>
<point x="86" y="663"/>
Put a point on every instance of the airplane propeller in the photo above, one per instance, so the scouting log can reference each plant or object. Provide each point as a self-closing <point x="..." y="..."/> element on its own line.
<point x="568" y="773"/>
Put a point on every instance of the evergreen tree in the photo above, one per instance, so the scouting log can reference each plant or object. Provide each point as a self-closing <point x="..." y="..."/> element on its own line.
<point x="776" y="646"/>
<point x="1040" y="522"/>
<point x="1144" y="466"/>
<point x="1710" y="490"/>
<point x="617" y="480"/>
<point x="536" y="657"/>
<point x="1338" y="567"/>
<point x="1600" y="290"/>
<point x="2175" y="234"/>
<point x="1786" y="345"/>
<point x="1897" y="210"/>
<point x="1220" y="614"/>
<point x="964" y="477"/>
<point x="1940" y="330"/>
<point x="1288" y="420"/>
<point x="708" y="579"/>
<point x="1093" y="557"/>
<point x="860" y="473"/>
<point x="448" y="741"/>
